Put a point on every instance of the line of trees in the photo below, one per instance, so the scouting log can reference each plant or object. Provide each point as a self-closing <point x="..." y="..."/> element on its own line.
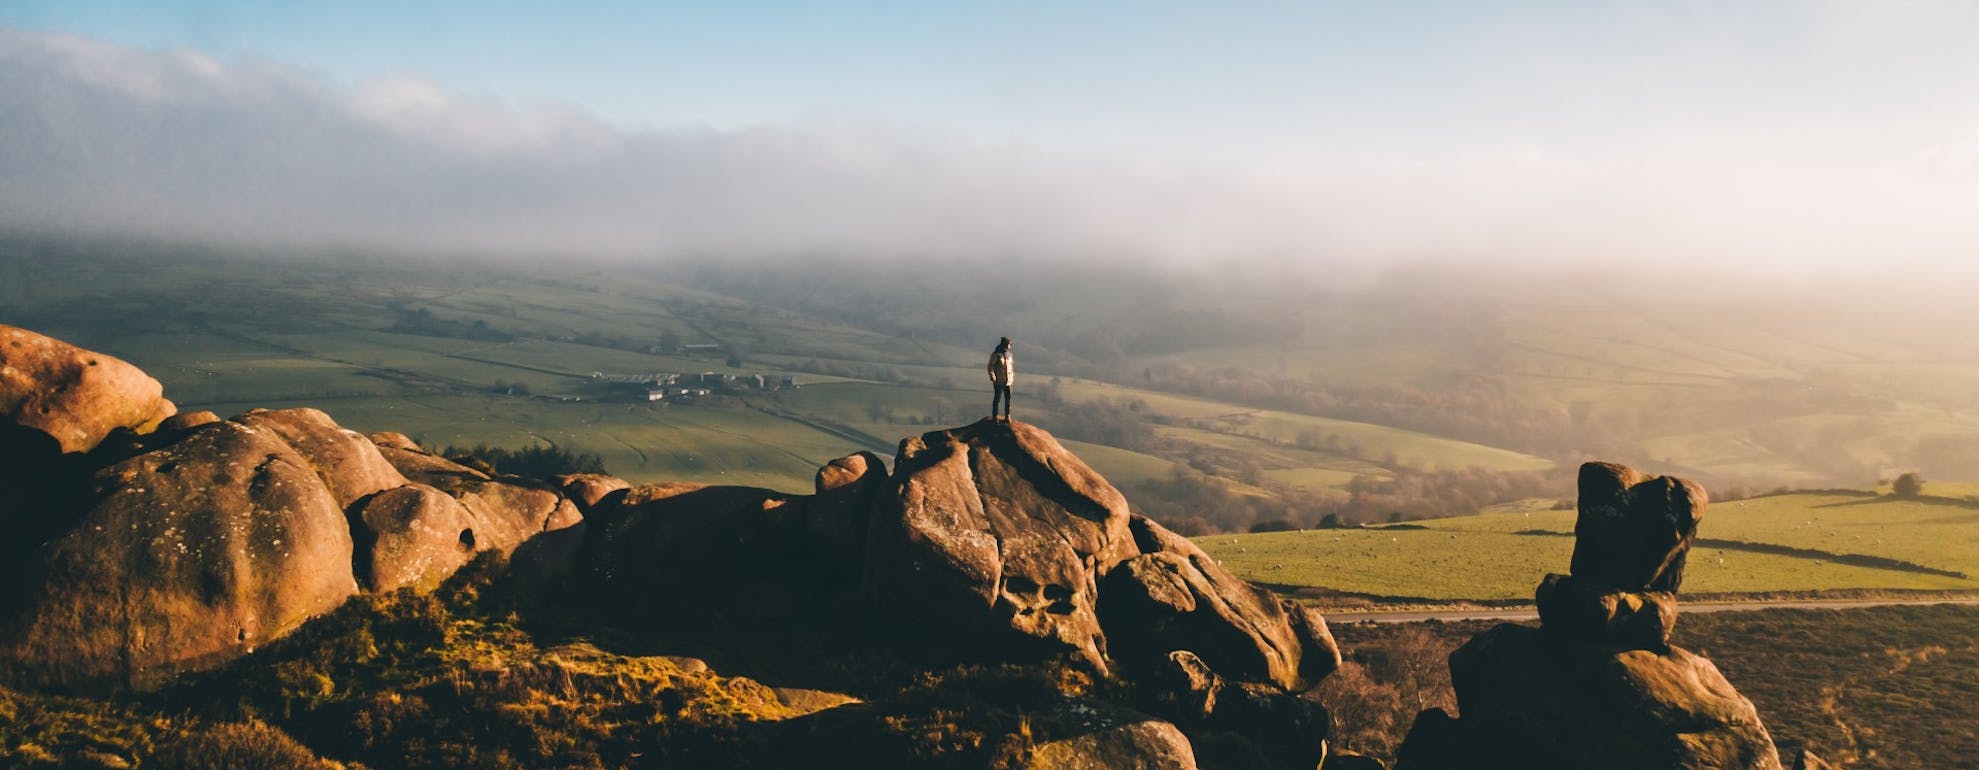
<point x="1195" y="503"/>
<point x="535" y="461"/>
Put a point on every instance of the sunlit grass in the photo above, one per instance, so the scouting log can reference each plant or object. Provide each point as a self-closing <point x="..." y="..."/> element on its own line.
<point x="1485" y="557"/>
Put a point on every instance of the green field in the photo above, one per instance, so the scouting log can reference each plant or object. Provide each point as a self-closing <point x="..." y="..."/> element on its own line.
<point x="1283" y="430"/>
<point x="1503" y="555"/>
<point x="1738" y="395"/>
<point x="337" y="338"/>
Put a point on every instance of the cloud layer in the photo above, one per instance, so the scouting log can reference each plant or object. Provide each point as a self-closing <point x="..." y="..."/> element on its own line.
<point x="97" y="137"/>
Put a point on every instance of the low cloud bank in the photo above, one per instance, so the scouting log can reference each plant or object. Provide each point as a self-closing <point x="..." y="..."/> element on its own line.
<point x="100" y="138"/>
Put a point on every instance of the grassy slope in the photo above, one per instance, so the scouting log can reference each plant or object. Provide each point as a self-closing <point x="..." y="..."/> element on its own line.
<point x="1278" y="428"/>
<point x="1729" y="395"/>
<point x="1764" y="393"/>
<point x="1486" y="557"/>
<point x="318" y="335"/>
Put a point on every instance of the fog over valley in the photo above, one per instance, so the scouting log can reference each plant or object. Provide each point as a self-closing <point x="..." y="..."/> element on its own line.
<point x="1547" y="384"/>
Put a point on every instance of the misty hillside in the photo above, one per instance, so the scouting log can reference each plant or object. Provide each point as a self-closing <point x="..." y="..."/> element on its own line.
<point x="1282" y="400"/>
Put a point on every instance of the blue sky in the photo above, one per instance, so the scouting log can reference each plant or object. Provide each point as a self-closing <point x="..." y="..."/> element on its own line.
<point x="1775" y="132"/>
<point x="1148" y="75"/>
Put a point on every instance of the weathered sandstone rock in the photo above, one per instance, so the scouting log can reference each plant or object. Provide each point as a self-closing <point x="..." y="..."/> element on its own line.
<point x="412" y="535"/>
<point x="191" y="555"/>
<point x="502" y="513"/>
<point x="737" y="551"/>
<point x="1592" y="612"/>
<point x="590" y="490"/>
<point x="1175" y="597"/>
<point x="73" y="396"/>
<point x="185" y="421"/>
<point x="994" y="529"/>
<point x="1599" y="685"/>
<point x="1531" y="700"/>
<point x="1634" y="532"/>
<point x="1099" y="736"/>
<point x="839" y="513"/>
<point x="348" y="464"/>
<point x="219" y="536"/>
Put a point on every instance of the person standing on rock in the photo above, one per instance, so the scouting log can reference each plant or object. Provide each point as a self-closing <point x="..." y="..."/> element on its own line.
<point x="1002" y="372"/>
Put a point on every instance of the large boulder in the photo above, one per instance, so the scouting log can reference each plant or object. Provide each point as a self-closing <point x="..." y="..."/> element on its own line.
<point x="1529" y="699"/>
<point x="1267" y="723"/>
<point x="1100" y="736"/>
<point x="1592" y="612"/>
<point x="840" y="511"/>
<point x="995" y="530"/>
<point x="1634" y="532"/>
<point x="591" y="492"/>
<point x="1598" y="684"/>
<point x="191" y="554"/>
<point x="217" y="536"/>
<point x="732" y="551"/>
<point x="412" y="536"/>
<point x="54" y="395"/>
<point x="500" y="513"/>
<point x="349" y="464"/>
<point x="1173" y="596"/>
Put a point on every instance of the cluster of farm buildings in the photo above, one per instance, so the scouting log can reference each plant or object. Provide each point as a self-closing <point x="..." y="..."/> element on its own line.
<point x="664" y="386"/>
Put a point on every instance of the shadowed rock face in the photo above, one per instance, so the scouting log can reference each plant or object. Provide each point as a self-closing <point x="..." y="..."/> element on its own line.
<point x="995" y="528"/>
<point x="589" y="491"/>
<point x="1109" y="738"/>
<point x="1633" y="532"/>
<point x="1174" y="597"/>
<point x="840" y="512"/>
<point x="1589" y="611"/>
<point x="672" y="547"/>
<point x="74" y="396"/>
<point x="1553" y="703"/>
<point x="991" y="535"/>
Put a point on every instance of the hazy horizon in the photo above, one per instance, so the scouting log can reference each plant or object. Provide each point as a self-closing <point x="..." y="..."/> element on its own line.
<point x="1774" y="140"/>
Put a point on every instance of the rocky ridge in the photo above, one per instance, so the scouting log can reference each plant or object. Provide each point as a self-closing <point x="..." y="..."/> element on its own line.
<point x="151" y="544"/>
<point x="173" y="543"/>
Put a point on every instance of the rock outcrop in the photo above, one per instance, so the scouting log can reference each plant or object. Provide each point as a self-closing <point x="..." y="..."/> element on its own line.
<point x="1172" y="596"/>
<point x="1633" y="532"/>
<point x="996" y="529"/>
<point x="206" y="538"/>
<point x="1598" y="684"/>
<point x="1553" y="702"/>
<point x="52" y="391"/>
<point x="666" y="549"/>
<point x="190" y="555"/>
<point x="1107" y="737"/>
<point x="1273" y="723"/>
<point x="500" y="513"/>
<point x="990" y="538"/>
<point x="179" y="543"/>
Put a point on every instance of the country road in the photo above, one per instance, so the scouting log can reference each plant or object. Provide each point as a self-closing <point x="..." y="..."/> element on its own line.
<point x="1530" y="613"/>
